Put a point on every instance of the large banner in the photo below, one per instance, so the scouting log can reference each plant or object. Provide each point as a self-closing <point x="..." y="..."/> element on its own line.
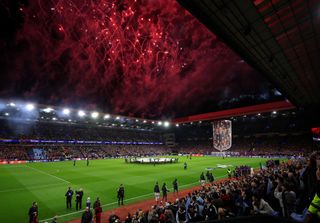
<point x="222" y="135"/>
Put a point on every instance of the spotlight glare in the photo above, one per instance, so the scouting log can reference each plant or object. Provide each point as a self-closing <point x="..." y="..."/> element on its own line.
<point x="54" y="119"/>
<point x="177" y="125"/>
<point x="6" y="114"/>
<point x="166" y="124"/>
<point x="159" y="123"/>
<point x="48" y="110"/>
<point x="66" y="111"/>
<point x="29" y="107"/>
<point x="94" y="115"/>
<point x="107" y="116"/>
<point x="12" y="104"/>
<point x="117" y="117"/>
<point x="144" y="121"/>
<point x="274" y="112"/>
<point x="81" y="113"/>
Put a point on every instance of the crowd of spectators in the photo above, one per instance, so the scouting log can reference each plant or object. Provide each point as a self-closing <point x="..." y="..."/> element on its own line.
<point x="286" y="190"/>
<point x="242" y="170"/>
<point x="58" y="131"/>
<point x="53" y="152"/>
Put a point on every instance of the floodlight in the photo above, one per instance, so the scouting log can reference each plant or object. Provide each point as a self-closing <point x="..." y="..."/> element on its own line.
<point x="166" y="124"/>
<point x="94" y="114"/>
<point x="81" y="113"/>
<point x="66" y="111"/>
<point x="144" y="121"/>
<point x="117" y="117"/>
<point x="29" y="107"/>
<point x="274" y="112"/>
<point x="159" y="123"/>
<point x="107" y="116"/>
<point x="177" y="125"/>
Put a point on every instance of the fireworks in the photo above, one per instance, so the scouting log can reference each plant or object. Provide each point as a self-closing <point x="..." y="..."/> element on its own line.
<point x="133" y="57"/>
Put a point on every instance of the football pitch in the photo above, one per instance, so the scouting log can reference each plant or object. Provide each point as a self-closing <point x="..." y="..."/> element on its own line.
<point x="47" y="183"/>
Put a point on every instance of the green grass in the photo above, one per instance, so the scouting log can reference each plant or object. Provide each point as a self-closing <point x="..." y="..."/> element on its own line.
<point x="47" y="183"/>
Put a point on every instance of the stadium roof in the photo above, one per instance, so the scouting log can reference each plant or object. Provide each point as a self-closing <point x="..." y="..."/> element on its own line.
<point x="279" y="38"/>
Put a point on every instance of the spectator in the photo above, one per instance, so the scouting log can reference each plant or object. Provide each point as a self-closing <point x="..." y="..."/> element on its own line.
<point x="86" y="216"/>
<point x="33" y="211"/>
<point x="98" y="212"/>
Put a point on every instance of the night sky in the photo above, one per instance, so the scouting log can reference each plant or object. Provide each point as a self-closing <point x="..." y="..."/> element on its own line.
<point x="144" y="58"/>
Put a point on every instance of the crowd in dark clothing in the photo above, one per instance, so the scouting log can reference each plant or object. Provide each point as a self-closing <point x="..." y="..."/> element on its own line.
<point x="286" y="190"/>
<point x="242" y="171"/>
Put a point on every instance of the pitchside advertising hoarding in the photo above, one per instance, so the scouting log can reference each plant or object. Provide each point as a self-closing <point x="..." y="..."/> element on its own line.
<point x="222" y="135"/>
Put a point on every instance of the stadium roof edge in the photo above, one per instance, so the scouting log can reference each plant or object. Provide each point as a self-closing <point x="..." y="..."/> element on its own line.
<point x="248" y="110"/>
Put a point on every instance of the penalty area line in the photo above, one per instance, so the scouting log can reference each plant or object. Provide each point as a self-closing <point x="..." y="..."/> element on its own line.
<point x="48" y="174"/>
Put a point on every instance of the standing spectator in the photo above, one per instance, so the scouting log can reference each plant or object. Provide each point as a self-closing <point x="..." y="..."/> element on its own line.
<point x="98" y="212"/>
<point x="32" y="211"/>
<point x="164" y="192"/>
<point x="313" y="214"/>
<point x="68" y="195"/>
<point x="175" y="186"/>
<point x="309" y="180"/>
<point x="120" y="194"/>
<point x="86" y="216"/>
<point x="156" y="191"/>
<point x="88" y="203"/>
<point x="289" y="199"/>
<point x="96" y="203"/>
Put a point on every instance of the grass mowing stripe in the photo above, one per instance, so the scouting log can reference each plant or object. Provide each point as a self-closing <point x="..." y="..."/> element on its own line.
<point x="48" y="174"/>
<point x="129" y="199"/>
<point x="31" y="188"/>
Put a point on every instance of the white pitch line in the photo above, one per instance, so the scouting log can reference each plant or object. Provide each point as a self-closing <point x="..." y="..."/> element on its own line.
<point x="32" y="187"/>
<point x="116" y="202"/>
<point x="48" y="174"/>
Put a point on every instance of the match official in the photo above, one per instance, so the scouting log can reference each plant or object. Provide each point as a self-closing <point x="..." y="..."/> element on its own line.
<point x="69" y="197"/>
<point x="120" y="194"/>
<point x="175" y="186"/>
